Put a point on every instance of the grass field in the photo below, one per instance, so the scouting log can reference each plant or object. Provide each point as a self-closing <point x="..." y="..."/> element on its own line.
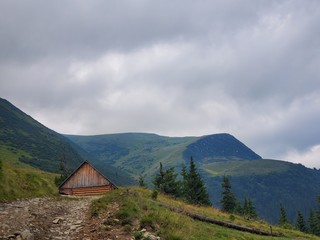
<point x="136" y="205"/>
<point x="245" y="168"/>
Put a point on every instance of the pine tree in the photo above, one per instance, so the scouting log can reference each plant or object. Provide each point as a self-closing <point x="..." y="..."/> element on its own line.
<point x="158" y="179"/>
<point x="165" y="181"/>
<point x="196" y="190"/>
<point x="313" y="226"/>
<point x="301" y="225"/>
<point x="318" y="218"/>
<point x="184" y="182"/>
<point x="228" y="201"/>
<point x="141" y="181"/>
<point x="248" y="209"/>
<point x="283" y="220"/>
<point x="239" y="209"/>
<point x="170" y="184"/>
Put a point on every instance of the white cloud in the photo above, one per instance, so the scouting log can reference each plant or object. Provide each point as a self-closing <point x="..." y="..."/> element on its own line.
<point x="309" y="158"/>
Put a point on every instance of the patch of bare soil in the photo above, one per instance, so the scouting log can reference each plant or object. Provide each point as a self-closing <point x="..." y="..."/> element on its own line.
<point x="43" y="218"/>
<point x="61" y="218"/>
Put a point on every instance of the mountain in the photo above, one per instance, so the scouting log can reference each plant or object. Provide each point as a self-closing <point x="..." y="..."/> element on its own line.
<point x="219" y="147"/>
<point x="141" y="153"/>
<point x="26" y="143"/>
<point x="135" y="153"/>
<point x="40" y="147"/>
<point x="37" y="145"/>
<point x="267" y="182"/>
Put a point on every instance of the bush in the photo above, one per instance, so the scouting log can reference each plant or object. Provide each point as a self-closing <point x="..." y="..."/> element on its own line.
<point x="232" y="217"/>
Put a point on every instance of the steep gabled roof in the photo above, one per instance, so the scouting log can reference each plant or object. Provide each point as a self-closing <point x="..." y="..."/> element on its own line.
<point x="70" y="176"/>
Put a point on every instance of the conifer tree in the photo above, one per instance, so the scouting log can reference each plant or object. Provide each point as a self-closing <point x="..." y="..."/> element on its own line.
<point x="196" y="190"/>
<point x="184" y="182"/>
<point x="249" y="211"/>
<point x="313" y="226"/>
<point x="228" y="201"/>
<point x="283" y="220"/>
<point x="141" y="181"/>
<point x="165" y="181"/>
<point x="301" y="225"/>
<point x="239" y="209"/>
<point x="158" y="179"/>
<point x="170" y="184"/>
<point x="318" y="217"/>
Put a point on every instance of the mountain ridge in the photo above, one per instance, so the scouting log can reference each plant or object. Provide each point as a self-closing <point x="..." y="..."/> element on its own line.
<point x="124" y="157"/>
<point x="267" y="182"/>
<point x="41" y="147"/>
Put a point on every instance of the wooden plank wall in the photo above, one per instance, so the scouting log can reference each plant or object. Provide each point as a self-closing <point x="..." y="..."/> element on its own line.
<point x="90" y="191"/>
<point x="86" y="176"/>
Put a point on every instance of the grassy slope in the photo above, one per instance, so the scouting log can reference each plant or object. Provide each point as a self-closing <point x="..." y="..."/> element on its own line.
<point x="245" y="168"/>
<point x="136" y="205"/>
<point x="135" y="153"/>
<point x="42" y="146"/>
<point x="18" y="180"/>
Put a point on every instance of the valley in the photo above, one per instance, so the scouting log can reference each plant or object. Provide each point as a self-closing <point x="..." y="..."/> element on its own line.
<point x="30" y="159"/>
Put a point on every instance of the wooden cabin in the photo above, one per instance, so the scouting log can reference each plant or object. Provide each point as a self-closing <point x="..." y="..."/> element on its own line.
<point x="85" y="181"/>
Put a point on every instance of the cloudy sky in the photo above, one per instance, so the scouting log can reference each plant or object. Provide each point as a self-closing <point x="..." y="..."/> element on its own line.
<point x="175" y="68"/>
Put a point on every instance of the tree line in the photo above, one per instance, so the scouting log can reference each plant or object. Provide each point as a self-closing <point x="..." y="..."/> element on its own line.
<point x="311" y="225"/>
<point x="230" y="204"/>
<point x="189" y="187"/>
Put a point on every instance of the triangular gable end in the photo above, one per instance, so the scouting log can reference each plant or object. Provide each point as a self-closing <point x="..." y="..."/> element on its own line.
<point x="86" y="180"/>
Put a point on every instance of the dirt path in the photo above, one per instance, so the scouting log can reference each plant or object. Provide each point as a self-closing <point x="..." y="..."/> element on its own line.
<point x="45" y="218"/>
<point x="65" y="218"/>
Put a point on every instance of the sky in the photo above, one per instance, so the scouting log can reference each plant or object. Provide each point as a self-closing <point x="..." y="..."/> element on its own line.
<point x="174" y="68"/>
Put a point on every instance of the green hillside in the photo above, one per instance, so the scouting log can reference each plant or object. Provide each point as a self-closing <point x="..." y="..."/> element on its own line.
<point x="135" y="153"/>
<point x="123" y="157"/>
<point x="267" y="182"/>
<point x="42" y="148"/>
<point x="136" y="211"/>
<point x="18" y="180"/>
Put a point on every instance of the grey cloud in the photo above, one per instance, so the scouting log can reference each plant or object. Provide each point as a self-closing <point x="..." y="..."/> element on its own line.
<point x="177" y="68"/>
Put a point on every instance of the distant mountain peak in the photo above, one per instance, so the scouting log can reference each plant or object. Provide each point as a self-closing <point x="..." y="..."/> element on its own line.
<point x="222" y="146"/>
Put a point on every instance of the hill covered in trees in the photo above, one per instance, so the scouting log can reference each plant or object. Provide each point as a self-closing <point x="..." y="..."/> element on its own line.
<point x="266" y="182"/>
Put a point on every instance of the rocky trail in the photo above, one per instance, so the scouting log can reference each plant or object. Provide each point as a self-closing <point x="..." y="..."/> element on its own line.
<point x="57" y="218"/>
